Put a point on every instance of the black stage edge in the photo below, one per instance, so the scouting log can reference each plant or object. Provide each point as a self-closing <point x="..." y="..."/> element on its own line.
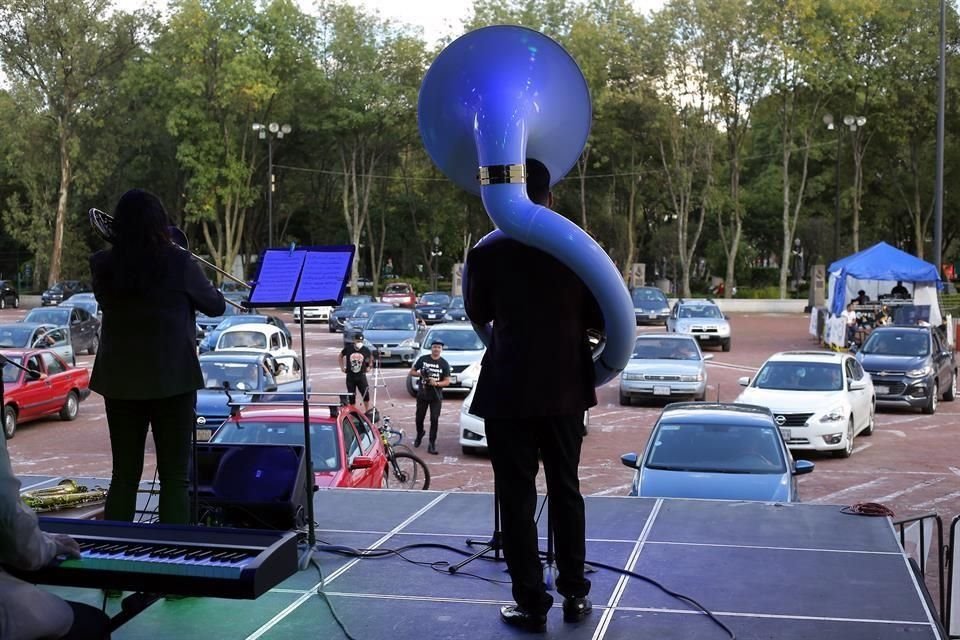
<point x="787" y="572"/>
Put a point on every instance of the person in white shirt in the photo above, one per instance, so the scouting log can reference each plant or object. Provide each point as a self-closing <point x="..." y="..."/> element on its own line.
<point x="26" y="612"/>
<point x="850" y="318"/>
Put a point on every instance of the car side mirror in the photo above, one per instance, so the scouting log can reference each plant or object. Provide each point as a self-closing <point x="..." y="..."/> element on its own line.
<point x="416" y="345"/>
<point x="858" y="385"/>
<point x="726" y="317"/>
<point x="629" y="460"/>
<point x="708" y="356"/>
<point x="744" y="381"/>
<point x="801" y="467"/>
<point x="361" y="462"/>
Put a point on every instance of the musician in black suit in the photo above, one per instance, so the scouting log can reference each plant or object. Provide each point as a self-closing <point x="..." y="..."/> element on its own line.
<point x="27" y="612"/>
<point x="147" y="368"/>
<point x="536" y="381"/>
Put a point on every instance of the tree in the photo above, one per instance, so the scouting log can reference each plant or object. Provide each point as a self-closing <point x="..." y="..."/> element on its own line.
<point x="64" y="53"/>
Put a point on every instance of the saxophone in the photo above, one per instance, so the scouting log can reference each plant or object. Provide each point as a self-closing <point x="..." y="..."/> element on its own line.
<point x="66" y="495"/>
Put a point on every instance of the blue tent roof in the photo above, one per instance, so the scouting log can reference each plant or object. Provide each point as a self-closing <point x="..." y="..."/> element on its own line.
<point x="879" y="262"/>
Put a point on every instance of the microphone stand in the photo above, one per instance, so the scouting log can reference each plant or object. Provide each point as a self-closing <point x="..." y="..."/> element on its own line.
<point x="495" y="543"/>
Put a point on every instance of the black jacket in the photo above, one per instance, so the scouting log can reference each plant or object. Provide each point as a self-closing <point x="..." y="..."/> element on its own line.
<point x="538" y="363"/>
<point x="148" y="344"/>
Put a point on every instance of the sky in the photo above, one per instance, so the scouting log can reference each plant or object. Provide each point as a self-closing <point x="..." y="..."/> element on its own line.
<point x="437" y="18"/>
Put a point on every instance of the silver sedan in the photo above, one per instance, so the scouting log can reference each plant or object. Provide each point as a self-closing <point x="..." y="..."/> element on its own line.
<point x="664" y="366"/>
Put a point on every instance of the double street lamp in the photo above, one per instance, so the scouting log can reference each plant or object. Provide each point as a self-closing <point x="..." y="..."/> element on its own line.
<point x="852" y="123"/>
<point x="269" y="132"/>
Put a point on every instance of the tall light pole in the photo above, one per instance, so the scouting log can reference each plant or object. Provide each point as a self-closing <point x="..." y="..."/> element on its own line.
<point x="435" y="255"/>
<point x="852" y="123"/>
<point x="269" y="132"/>
<point x="941" y="96"/>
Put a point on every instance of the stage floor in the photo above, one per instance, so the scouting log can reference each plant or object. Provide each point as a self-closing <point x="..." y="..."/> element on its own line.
<point x="788" y="572"/>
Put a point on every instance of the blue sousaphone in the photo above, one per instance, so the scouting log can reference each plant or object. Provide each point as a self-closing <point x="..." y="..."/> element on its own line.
<point x="493" y="98"/>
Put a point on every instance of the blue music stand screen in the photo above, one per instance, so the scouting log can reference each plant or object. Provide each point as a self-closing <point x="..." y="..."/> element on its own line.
<point x="302" y="276"/>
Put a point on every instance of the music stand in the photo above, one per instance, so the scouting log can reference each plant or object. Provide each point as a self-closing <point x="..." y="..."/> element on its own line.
<point x="299" y="277"/>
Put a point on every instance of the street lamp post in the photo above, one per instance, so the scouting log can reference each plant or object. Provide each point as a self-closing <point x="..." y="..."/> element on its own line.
<point x="435" y="256"/>
<point x="269" y="132"/>
<point x="797" y="265"/>
<point x="852" y="123"/>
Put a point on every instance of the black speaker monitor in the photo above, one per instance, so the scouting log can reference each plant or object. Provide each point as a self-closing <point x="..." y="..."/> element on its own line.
<point x="251" y="485"/>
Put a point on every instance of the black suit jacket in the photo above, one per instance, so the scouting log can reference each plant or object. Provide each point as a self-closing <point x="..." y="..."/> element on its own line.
<point x="148" y="344"/>
<point x="538" y="363"/>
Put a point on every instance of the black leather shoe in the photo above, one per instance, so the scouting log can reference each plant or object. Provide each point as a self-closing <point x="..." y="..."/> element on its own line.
<point x="514" y="616"/>
<point x="432" y="448"/>
<point x="417" y="442"/>
<point x="576" y="609"/>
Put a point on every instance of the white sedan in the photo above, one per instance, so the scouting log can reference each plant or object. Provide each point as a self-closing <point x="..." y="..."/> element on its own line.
<point x="820" y="400"/>
<point x="266" y="338"/>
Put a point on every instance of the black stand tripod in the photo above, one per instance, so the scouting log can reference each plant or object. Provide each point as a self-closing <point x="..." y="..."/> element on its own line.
<point x="495" y="543"/>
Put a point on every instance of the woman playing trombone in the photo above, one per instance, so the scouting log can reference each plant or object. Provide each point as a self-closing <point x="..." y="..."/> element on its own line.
<point x="147" y="368"/>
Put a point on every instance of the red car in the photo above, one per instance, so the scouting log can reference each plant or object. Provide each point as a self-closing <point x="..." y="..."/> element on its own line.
<point x="346" y="449"/>
<point x="52" y="387"/>
<point x="400" y="294"/>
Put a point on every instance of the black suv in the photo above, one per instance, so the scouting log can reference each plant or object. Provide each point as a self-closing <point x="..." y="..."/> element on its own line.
<point x="62" y="291"/>
<point x="8" y="295"/>
<point x="910" y="366"/>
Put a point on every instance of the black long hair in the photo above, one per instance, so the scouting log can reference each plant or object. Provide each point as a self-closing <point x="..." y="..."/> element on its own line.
<point x="141" y="235"/>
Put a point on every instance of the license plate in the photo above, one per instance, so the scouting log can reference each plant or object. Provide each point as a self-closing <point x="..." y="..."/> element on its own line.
<point x="786" y="434"/>
<point x="453" y="379"/>
<point x="651" y="315"/>
<point x="661" y="390"/>
<point x="385" y="354"/>
<point x="704" y="336"/>
<point x="203" y="435"/>
<point x="881" y="390"/>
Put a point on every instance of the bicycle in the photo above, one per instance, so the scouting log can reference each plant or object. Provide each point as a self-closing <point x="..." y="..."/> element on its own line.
<point x="404" y="469"/>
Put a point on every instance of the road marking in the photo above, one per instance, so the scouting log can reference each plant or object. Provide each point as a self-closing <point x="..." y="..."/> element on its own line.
<point x="857" y="487"/>
<point x="607" y="492"/>
<point x="930" y="503"/>
<point x="862" y="447"/>
<point x="954" y="471"/>
<point x="895" y="432"/>
<point x="903" y="492"/>
<point x="929" y="427"/>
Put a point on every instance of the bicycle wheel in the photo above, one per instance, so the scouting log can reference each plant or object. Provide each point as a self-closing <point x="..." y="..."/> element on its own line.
<point x="407" y="471"/>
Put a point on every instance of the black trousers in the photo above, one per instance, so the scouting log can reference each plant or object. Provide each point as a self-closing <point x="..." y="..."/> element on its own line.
<point x="172" y="421"/>
<point x="514" y="445"/>
<point x="434" y="401"/>
<point x="89" y="623"/>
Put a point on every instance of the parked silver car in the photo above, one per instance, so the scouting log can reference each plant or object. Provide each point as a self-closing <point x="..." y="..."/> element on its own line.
<point x="462" y="348"/>
<point x="32" y="335"/>
<point x="395" y="334"/>
<point x="701" y="319"/>
<point x="664" y="366"/>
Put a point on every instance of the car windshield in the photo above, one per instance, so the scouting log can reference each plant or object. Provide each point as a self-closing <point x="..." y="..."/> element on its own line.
<point x="717" y="448"/>
<point x="456" y="302"/>
<point x="17" y="337"/>
<point x="57" y="288"/>
<point x="397" y="288"/>
<point x="364" y="311"/>
<point x="800" y="376"/>
<point x="323" y="438"/>
<point x="243" y="339"/>
<point x="55" y="316"/>
<point x="87" y="305"/>
<point x="666" y="349"/>
<point x="392" y="321"/>
<point x="10" y="372"/>
<point x="897" y="343"/>
<point x="700" y="311"/>
<point x="240" y="375"/>
<point x="440" y="299"/>
<point x="455" y="340"/>
<point x="649" y="295"/>
<point x="233" y="321"/>
<point x="351" y="302"/>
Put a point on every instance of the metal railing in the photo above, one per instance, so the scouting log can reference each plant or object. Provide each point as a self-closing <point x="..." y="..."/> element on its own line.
<point x="925" y="524"/>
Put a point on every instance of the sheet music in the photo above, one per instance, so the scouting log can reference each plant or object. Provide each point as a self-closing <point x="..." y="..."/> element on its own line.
<point x="323" y="277"/>
<point x="278" y="277"/>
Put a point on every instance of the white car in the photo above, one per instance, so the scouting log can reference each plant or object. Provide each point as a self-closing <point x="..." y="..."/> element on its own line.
<point x="700" y="318"/>
<point x="266" y="338"/>
<point x="313" y="314"/>
<point x="462" y="348"/>
<point x="820" y="400"/>
<point x="473" y="435"/>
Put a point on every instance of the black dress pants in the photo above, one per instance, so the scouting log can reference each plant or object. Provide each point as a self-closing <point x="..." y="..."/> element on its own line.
<point x="514" y="445"/>
<point x="433" y="401"/>
<point x="172" y="421"/>
<point x="89" y="623"/>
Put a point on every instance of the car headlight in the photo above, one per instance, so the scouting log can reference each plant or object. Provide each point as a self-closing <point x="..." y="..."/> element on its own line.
<point x="633" y="376"/>
<point x="471" y="372"/>
<point x="408" y="343"/>
<point x="692" y="378"/>
<point x="834" y="415"/>
<point x="922" y="372"/>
